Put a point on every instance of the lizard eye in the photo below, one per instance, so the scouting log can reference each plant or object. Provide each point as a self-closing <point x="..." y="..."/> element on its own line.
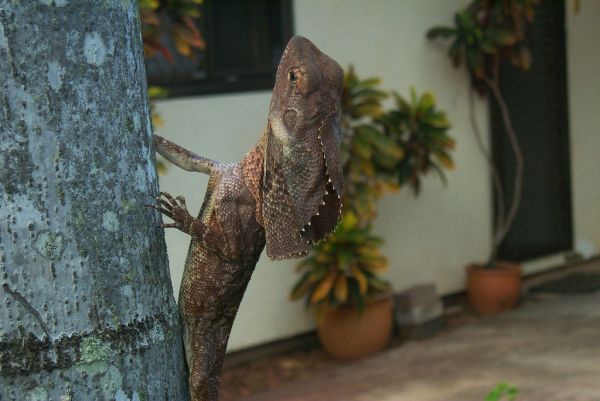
<point x="293" y="76"/>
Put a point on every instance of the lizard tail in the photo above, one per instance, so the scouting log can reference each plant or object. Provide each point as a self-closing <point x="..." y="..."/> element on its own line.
<point x="205" y="345"/>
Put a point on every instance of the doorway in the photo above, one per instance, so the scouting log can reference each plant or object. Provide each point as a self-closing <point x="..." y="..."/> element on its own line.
<point x="537" y="100"/>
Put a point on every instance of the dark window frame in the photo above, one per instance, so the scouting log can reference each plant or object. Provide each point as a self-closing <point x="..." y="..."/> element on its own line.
<point x="216" y="82"/>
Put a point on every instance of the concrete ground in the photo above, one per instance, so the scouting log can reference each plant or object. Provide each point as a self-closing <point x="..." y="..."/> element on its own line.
<point x="549" y="349"/>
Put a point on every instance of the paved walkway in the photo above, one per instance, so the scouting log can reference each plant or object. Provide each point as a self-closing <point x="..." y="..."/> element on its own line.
<point x="549" y="350"/>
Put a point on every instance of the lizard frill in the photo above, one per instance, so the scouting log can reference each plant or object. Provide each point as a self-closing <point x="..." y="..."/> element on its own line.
<point x="302" y="184"/>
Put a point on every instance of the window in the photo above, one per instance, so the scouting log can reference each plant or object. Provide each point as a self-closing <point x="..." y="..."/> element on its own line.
<point x="244" y="42"/>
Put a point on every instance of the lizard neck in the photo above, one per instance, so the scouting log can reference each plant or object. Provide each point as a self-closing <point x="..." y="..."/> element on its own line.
<point x="252" y="171"/>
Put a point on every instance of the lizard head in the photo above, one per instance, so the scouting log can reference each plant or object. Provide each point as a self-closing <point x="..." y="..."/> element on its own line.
<point x="302" y="180"/>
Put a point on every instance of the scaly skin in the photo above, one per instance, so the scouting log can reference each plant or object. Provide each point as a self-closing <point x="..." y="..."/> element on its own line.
<point x="285" y="193"/>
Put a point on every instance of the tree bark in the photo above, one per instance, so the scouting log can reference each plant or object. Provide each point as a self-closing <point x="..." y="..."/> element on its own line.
<point x="86" y="305"/>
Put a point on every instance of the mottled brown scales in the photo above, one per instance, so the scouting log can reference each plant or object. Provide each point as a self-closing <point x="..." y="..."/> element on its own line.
<point x="285" y="194"/>
<point x="252" y="167"/>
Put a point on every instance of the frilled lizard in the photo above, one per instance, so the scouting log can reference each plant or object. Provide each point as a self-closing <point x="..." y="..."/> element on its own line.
<point x="284" y="193"/>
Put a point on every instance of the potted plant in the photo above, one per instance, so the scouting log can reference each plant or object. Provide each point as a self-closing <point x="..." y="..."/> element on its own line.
<point x="382" y="150"/>
<point x="485" y="34"/>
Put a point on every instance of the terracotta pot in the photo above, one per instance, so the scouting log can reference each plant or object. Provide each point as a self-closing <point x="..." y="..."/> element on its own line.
<point x="493" y="290"/>
<point x="346" y="334"/>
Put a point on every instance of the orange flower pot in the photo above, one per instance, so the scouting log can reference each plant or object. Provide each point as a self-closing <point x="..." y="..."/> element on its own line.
<point x="345" y="334"/>
<point x="493" y="290"/>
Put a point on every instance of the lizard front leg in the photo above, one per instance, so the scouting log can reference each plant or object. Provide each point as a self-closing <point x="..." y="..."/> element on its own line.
<point x="176" y="210"/>
<point x="182" y="157"/>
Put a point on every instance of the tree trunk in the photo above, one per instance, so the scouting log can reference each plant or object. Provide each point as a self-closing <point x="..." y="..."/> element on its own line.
<point x="86" y="307"/>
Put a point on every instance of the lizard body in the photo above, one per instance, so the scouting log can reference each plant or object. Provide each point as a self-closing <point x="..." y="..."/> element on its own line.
<point x="285" y="194"/>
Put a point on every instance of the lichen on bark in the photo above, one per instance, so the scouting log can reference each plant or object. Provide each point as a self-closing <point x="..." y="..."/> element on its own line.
<point x="86" y="306"/>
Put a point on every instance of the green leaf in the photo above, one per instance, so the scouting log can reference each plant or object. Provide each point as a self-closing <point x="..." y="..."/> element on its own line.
<point x="500" y="37"/>
<point x="322" y="289"/>
<point x="368" y="132"/>
<point x="362" y="149"/>
<point x="361" y="279"/>
<point x="426" y="102"/>
<point x="387" y="147"/>
<point x="308" y="261"/>
<point x="438" y="120"/>
<point x="386" y="163"/>
<point x="149" y="4"/>
<point x="367" y="108"/>
<point x="440" y="173"/>
<point x="350" y="78"/>
<point x="367" y="83"/>
<point x="157" y="92"/>
<point x="349" y="221"/>
<point x="524" y="57"/>
<point x="500" y="391"/>
<point x="465" y="22"/>
<point x="487" y="47"/>
<point x="402" y="103"/>
<point x="413" y="98"/>
<point x="301" y="287"/>
<point x="344" y="259"/>
<point x="379" y="284"/>
<point x="368" y="93"/>
<point x="341" y="288"/>
<point x="441" y="32"/>
<point x="455" y="52"/>
<point x="475" y="62"/>
<point x="317" y="274"/>
<point x="355" y="296"/>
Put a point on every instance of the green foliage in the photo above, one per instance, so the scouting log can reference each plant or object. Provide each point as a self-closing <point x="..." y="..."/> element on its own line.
<point x="484" y="34"/>
<point x="162" y="19"/>
<point x="421" y="131"/>
<point x="368" y="156"/>
<point x="383" y="150"/>
<point x="343" y="269"/>
<point x="486" y="31"/>
<point x="502" y="392"/>
<point x="156" y="92"/>
<point x="173" y="19"/>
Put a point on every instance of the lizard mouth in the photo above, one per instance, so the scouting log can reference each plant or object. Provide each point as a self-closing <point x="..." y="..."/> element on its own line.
<point x="323" y="222"/>
<point x="329" y="212"/>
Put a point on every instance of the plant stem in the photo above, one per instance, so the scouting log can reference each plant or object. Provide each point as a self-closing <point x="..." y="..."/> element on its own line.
<point x="498" y="189"/>
<point x="519" y="163"/>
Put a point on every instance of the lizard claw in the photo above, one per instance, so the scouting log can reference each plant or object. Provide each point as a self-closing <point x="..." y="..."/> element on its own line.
<point x="166" y="195"/>
<point x="164" y="203"/>
<point x="174" y="208"/>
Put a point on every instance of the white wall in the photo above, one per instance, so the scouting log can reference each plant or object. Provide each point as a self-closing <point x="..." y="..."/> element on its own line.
<point x="429" y="238"/>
